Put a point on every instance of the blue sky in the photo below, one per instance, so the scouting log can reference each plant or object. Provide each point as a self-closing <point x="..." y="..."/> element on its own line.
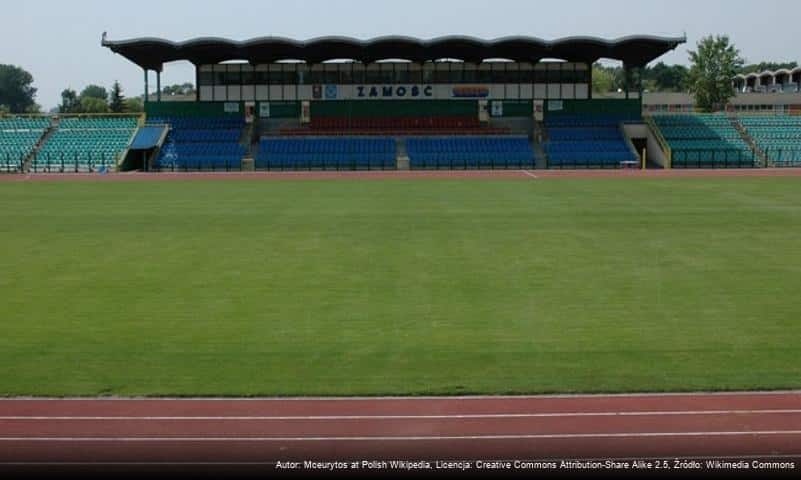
<point x="59" y="42"/>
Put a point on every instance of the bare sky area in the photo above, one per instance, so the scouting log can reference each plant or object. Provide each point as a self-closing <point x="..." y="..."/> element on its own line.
<point x="59" y="42"/>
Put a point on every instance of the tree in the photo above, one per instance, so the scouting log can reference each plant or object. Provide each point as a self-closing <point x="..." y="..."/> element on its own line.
<point x="666" y="78"/>
<point x="714" y="64"/>
<point x="93" y="105"/>
<point x="117" y="102"/>
<point x="16" y="89"/>
<point x="94" y="91"/>
<point x="134" y="105"/>
<point x="603" y="79"/>
<point x="182" y="89"/>
<point x="34" y="109"/>
<point x="69" y="102"/>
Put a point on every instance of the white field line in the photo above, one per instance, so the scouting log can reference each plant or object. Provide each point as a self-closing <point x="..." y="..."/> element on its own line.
<point x="553" y="436"/>
<point x="692" y="395"/>
<point x="531" y="174"/>
<point x="402" y="417"/>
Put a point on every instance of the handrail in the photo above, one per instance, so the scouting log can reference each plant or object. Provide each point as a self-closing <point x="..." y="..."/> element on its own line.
<point x="660" y="139"/>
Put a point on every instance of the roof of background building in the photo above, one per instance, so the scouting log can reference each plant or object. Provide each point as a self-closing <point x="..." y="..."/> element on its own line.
<point x="769" y="73"/>
<point x="153" y="53"/>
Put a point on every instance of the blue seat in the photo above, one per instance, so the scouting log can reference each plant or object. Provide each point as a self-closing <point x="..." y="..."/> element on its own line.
<point x="202" y="143"/>
<point x="340" y="153"/>
<point x="470" y="152"/>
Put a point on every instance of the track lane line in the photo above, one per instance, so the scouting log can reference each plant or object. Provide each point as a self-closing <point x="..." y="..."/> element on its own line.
<point x="406" y="417"/>
<point x="554" y="436"/>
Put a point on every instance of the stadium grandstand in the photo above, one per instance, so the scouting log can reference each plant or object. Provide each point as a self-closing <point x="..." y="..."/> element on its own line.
<point x="337" y="103"/>
<point x="398" y="103"/>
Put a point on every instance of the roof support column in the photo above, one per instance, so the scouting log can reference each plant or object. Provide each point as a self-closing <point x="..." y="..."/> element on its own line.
<point x="147" y="87"/>
<point x="640" y="75"/>
<point x="197" y="83"/>
<point x="589" y="91"/>
<point x="158" y="86"/>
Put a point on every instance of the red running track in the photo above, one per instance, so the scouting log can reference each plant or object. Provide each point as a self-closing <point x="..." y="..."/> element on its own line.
<point x="230" y="432"/>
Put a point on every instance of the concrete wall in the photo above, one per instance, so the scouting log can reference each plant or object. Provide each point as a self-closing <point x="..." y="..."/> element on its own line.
<point x="655" y="153"/>
<point x="634" y="130"/>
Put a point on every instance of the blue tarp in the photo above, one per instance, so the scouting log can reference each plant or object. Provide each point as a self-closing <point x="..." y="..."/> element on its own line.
<point x="147" y="138"/>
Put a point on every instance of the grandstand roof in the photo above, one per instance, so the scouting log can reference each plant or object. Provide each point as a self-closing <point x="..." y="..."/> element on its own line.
<point x="152" y="53"/>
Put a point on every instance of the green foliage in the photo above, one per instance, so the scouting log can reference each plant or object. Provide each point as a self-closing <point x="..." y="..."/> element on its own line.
<point x="767" y="66"/>
<point x="93" y="105"/>
<point x="117" y="102"/>
<point x="69" y="102"/>
<point x="659" y="78"/>
<point x="665" y="78"/>
<point x="16" y="89"/>
<point x="399" y="287"/>
<point x="134" y="105"/>
<point x="714" y="64"/>
<point x="94" y="91"/>
<point x="604" y="79"/>
<point x="183" y="89"/>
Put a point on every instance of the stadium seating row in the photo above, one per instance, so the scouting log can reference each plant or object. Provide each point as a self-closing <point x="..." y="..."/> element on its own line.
<point x="201" y="143"/>
<point x="199" y="123"/>
<point x="18" y="138"/>
<point x="329" y="145"/>
<point x="16" y="124"/>
<point x="470" y="153"/>
<point x="85" y="144"/>
<point x="592" y="141"/>
<point x="778" y="136"/>
<point x="705" y="141"/>
<point x="98" y="123"/>
<point x="207" y="136"/>
<point x="600" y="120"/>
<point x="327" y="154"/>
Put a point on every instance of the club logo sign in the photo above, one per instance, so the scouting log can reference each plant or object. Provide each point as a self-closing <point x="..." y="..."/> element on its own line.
<point x="331" y="92"/>
<point x="470" y="92"/>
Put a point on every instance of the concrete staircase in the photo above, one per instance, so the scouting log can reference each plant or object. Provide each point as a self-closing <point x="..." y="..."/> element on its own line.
<point x="402" y="154"/>
<point x="539" y="137"/>
<point x="28" y="162"/>
<point x="749" y="140"/>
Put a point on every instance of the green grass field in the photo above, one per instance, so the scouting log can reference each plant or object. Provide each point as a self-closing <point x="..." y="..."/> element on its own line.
<point x="400" y="287"/>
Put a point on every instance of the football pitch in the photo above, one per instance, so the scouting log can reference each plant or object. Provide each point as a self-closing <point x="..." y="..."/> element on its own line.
<point x="400" y="287"/>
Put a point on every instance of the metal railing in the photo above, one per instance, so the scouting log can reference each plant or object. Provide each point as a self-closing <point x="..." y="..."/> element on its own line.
<point x="11" y="163"/>
<point x="783" y="156"/>
<point x="190" y="165"/>
<point x="714" y="158"/>
<point x="268" y="164"/>
<point x="73" y="163"/>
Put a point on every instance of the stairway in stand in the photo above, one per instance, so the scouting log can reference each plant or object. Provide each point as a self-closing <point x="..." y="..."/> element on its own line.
<point x="402" y="154"/>
<point x="27" y="164"/>
<point x="760" y="154"/>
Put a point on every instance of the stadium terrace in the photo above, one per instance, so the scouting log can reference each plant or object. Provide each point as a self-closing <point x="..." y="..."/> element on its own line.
<point x="401" y="103"/>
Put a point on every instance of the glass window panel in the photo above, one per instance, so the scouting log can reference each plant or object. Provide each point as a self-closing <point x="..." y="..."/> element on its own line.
<point x="206" y="78"/>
